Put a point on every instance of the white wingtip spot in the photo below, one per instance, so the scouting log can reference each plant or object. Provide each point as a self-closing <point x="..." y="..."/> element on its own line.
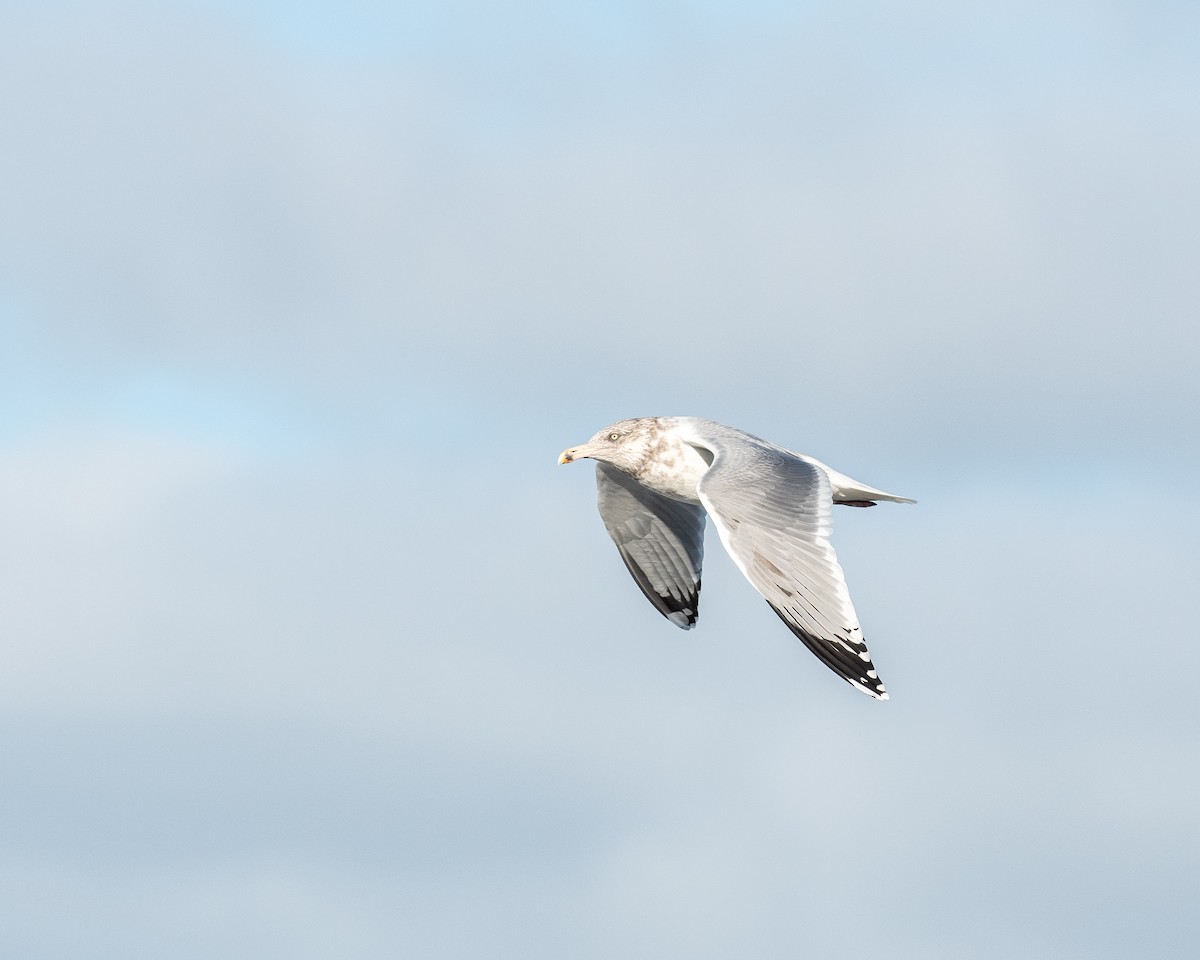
<point x="684" y="619"/>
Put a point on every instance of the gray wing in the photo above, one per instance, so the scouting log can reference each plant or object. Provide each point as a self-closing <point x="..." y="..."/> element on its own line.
<point x="774" y="514"/>
<point x="661" y="541"/>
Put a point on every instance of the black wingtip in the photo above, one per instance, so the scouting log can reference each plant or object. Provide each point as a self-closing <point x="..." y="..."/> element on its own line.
<point x="848" y="659"/>
<point x="681" y="611"/>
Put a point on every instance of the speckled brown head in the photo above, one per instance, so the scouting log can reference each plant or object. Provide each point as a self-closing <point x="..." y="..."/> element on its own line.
<point x="626" y="444"/>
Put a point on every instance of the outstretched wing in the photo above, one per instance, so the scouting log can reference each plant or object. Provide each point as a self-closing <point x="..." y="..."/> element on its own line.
<point x="774" y="514"/>
<point x="661" y="541"/>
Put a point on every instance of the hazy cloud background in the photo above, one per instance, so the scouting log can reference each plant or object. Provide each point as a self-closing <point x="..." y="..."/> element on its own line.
<point x="309" y="647"/>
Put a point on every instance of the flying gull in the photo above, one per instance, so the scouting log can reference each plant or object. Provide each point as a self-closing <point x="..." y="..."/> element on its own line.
<point x="657" y="478"/>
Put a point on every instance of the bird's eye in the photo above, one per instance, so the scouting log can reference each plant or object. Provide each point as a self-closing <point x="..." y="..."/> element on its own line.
<point x="614" y="436"/>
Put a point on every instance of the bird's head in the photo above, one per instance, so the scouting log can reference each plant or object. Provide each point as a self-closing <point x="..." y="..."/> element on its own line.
<point x="625" y="444"/>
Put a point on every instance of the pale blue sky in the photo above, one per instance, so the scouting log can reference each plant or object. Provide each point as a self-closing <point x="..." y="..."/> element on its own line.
<point x="313" y="651"/>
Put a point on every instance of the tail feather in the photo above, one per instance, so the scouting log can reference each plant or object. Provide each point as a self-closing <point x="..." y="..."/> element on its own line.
<point x="854" y="493"/>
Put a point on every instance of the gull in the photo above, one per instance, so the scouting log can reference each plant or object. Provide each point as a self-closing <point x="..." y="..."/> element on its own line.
<point x="657" y="478"/>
